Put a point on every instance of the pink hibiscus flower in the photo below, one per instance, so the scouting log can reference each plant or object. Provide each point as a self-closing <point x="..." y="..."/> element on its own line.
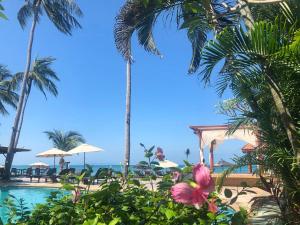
<point x="197" y="194"/>
<point x="203" y="178"/>
<point x="159" y="154"/>
<point x="176" y="176"/>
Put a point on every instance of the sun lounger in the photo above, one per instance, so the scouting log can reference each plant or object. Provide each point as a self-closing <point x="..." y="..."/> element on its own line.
<point x="50" y="174"/>
<point x="66" y="175"/>
<point x="36" y="174"/>
<point x="102" y="174"/>
<point x="139" y="173"/>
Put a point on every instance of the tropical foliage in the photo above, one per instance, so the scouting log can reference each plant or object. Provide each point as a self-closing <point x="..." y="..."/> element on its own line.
<point x="43" y="77"/>
<point x="65" y="140"/>
<point x="128" y="202"/>
<point x="8" y="86"/>
<point x="197" y="17"/>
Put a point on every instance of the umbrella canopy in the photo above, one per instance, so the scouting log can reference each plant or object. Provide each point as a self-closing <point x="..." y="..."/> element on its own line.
<point x="85" y="148"/>
<point x="54" y="152"/>
<point x="167" y="164"/>
<point x="39" y="165"/>
<point x="222" y="162"/>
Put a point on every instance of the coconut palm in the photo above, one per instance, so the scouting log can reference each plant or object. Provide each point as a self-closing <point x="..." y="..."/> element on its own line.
<point x="187" y="152"/>
<point x="62" y="13"/>
<point x="42" y="77"/>
<point x="65" y="140"/>
<point x="141" y="17"/>
<point x="2" y="15"/>
<point x="7" y="87"/>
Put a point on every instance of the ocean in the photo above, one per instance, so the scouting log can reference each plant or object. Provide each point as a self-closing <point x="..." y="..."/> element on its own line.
<point x="119" y="168"/>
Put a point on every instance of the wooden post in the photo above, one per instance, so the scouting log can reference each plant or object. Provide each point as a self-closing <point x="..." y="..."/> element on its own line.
<point x="249" y="168"/>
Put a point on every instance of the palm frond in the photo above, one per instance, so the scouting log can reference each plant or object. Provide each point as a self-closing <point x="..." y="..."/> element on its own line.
<point x="63" y="13"/>
<point x="25" y="13"/>
<point x="7" y="90"/>
<point x="65" y="140"/>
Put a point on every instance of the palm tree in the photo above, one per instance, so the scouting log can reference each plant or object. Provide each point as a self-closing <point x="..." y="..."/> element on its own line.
<point x="2" y="15"/>
<point x="41" y="76"/>
<point x="62" y="13"/>
<point x="187" y="153"/>
<point x="197" y="17"/>
<point x="7" y="87"/>
<point x="135" y="15"/>
<point x="65" y="140"/>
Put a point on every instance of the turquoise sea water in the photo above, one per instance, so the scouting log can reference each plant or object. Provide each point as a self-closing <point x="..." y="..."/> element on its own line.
<point x="31" y="196"/>
<point x="120" y="168"/>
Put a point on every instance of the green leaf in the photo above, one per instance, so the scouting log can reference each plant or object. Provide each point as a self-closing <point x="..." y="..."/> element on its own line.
<point x="211" y="215"/>
<point x="3" y="16"/>
<point x="170" y="213"/>
<point x="68" y="187"/>
<point x="227" y="193"/>
<point x="115" y="221"/>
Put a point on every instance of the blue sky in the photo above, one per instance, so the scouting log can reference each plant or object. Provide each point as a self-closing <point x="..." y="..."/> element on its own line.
<point x="165" y="99"/>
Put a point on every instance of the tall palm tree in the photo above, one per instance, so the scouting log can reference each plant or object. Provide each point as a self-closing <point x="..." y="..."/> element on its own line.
<point x="140" y="17"/>
<point x="7" y="90"/>
<point x="62" y="13"/>
<point x="65" y="140"/>
<point x="127" y="118"/>
<point x="41" y="76"/>
<point x="187" y="152"/>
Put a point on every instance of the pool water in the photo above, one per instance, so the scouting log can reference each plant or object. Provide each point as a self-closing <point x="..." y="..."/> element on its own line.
<point x="31" y="196"/>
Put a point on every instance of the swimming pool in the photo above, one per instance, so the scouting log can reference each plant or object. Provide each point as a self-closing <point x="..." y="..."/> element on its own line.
<point x="31" y="196"/>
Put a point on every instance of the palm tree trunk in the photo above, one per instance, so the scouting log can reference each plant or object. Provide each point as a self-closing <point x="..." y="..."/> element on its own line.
<point x="127" y="118"/>
<point x="285" y="115"/>
<point x="13" y="143"/>
<point x="22" y="119"/>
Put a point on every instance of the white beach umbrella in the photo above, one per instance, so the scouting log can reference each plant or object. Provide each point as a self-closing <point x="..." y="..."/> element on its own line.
<point x="167" y="164"/>
<point x="85" y="148"/>
<point x="54" y="152"/>
<point x="39" y="165"/>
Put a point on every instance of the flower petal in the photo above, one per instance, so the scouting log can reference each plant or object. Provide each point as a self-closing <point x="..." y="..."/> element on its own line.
<point x="203" y="178"/>
<point x="183" y="193"/>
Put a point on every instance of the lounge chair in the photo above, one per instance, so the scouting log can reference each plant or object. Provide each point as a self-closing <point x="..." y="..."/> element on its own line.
<point x="139" y="173"/>
<point x="50" y="174"/>
<point x="102" y="174"/>
<point x="87" y="175"/>
<point x="28" y="173"/>
<point x="64" y="175"/>
<point x="14" y="172"/>
<point x="37" y="174"/>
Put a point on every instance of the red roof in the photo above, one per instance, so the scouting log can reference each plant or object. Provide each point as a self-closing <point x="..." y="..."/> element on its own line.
<point x="248" y="148"/>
